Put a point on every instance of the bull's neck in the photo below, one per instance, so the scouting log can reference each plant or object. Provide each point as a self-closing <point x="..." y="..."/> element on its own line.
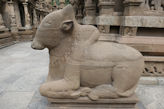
<point x="65" y="46"/>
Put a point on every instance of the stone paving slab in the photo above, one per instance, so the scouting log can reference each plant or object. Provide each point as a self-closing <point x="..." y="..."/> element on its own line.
<point x="15" y="100"/>
<point x="23" y="69"/>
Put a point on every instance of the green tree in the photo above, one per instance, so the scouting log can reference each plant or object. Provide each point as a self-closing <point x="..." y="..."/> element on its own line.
<point x="57" y="2"/>
<point x="66" y="2"/>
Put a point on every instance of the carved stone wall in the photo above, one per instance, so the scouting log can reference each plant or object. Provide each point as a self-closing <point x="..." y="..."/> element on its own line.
<point x="154" y="69"/>
<point x="154" y="66"/>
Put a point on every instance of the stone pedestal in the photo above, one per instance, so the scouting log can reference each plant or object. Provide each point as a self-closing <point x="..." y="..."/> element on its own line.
<point x="90" y="11"/>
<point x="85" y="103"/>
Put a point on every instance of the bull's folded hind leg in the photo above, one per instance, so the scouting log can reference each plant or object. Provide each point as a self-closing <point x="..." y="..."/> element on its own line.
<point x="103" y="91"/>
<point x="125" y="78"/>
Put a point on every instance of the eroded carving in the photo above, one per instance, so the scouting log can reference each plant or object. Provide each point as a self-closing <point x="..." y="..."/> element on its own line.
<point x="104" y="29"/>
<point x="153" y="69"/>
<point x="80" y="65"/>
<point x="129" y="31"/>
<point x="153" y="5"/>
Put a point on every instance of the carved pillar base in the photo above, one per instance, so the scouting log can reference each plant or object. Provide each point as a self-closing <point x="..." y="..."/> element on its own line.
<point x="104" y="28"/>
<point x="132" y="7"/>
<point x="128" y="31"/>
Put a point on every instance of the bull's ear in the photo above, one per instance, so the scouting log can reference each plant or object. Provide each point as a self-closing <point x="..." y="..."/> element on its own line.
<point x="67" y="25"/>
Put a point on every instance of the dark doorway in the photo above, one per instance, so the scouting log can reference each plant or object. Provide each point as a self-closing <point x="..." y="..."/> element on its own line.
<point x="22" y="14"/>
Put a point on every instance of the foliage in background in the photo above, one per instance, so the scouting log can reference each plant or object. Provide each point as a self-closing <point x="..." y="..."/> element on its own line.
<point x="57" y="2"/>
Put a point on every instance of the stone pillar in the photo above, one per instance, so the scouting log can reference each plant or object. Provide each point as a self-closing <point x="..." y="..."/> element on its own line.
<point x="2" y="26"/>
<point x="90" y="11"/>
<point x="79" y="15"/>
<point x="106" y="7"/>
<point x="35" y="19"/>
<point x="12" y="17"/>
<point x="27" y="16"/>
<point x="132" y="7"/>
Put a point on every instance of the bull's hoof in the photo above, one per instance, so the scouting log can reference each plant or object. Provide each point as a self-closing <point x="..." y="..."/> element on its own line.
<point x="93" y="96"/>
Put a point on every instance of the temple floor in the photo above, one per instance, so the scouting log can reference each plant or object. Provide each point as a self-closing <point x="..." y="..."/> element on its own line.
<point x="23" y="69"/>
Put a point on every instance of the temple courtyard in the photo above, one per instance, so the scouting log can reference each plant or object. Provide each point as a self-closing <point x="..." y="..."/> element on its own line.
<point x="23" y="69"/>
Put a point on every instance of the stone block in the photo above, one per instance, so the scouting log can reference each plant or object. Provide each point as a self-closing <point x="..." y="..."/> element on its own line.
<point x="144" y="44"/>
<point x="144" y="21"/>
<point x="148" y="81"/>
<point x="88" y="20"/>
<point x="108" y="20"/>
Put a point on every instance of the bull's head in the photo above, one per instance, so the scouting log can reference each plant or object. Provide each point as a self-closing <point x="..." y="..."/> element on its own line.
<point x="53" y="28"/>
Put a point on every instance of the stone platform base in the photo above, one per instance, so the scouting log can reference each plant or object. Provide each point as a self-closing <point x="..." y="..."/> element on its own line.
<point x="85" y="103"/>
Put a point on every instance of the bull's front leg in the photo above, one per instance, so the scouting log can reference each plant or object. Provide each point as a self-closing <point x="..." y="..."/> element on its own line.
<point x="63" y="88"/>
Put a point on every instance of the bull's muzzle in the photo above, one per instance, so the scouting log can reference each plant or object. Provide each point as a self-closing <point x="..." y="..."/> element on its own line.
<point x="37" y="45"/>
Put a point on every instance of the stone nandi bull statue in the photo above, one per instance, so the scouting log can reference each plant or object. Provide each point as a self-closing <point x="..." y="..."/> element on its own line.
<point x="80" y="64"/>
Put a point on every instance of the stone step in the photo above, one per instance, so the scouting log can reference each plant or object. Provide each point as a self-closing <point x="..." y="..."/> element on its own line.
<point x="5" y="35"/>
<point x="6" y="42"/>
